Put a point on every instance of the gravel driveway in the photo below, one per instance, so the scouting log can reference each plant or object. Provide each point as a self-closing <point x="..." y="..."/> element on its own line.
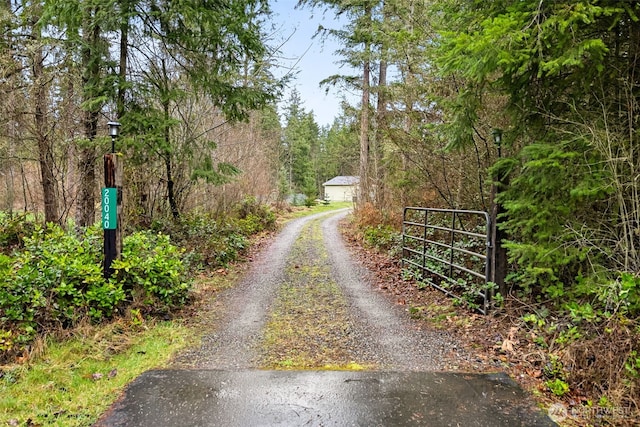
<point x="305" y="304"/>
<point x="285" y="342"/>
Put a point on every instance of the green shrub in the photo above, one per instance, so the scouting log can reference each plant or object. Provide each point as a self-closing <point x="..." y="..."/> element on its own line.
<point x="594" y="298"/>
<point x="13" y="229"/>
<point x="52" y="278"/>
<point x="213" y="242"/>
<point x="632" y="365"/>
<point x="621" y="295"/>
<point x="558" y="387"/>
<point x="381" y="237"/>
<point x="220" y="248"/>
<point x="216" y="242"/>
<point x="53" y="274"/>
<point x="54" y="281"/>
<point x="553" y="199"/>
<point x="258" y="217"/>
<point x="152" y="271"/>
<point x="250" y="225"/>
<point x="6" y="263"/>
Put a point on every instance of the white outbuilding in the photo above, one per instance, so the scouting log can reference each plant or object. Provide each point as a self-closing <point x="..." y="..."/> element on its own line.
<point x="341" y="188"/>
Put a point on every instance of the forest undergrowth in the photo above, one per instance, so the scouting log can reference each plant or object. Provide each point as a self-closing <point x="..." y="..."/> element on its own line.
<point x="71" y="339"/>
<point x="582" y="364"/>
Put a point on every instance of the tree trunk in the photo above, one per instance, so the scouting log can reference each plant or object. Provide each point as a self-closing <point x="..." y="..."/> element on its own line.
<point x="173" y="204"/>
<point x="381" y="129"/>
<point x="379" y="178"/>
<point x="87" y="162"/>
<point x="365" y="188"/>
<point x="171" y="192"/>
<point x="86" y="197"/>
<point x="124" y="51"/>
<point x="365" y="178"/>
<point x="45" y="148"/>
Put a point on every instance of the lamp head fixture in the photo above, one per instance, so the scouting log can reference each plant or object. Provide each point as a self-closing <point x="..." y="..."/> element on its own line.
<point x="114" y="128"/>
<point x="497" y="136"/>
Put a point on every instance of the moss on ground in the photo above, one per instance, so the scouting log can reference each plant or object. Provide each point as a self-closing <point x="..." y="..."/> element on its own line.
<point x="309" y="326"/>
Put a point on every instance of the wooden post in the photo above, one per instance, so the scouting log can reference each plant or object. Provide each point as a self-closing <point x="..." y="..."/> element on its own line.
<point x="112" y="235"/>
<point x="499" y="253"/>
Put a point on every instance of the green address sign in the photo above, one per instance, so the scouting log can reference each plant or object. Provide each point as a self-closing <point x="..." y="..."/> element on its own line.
<point x="109" y="211"/>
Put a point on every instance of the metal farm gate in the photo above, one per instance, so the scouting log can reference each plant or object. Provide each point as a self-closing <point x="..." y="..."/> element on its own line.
<point x="450" y="250"/>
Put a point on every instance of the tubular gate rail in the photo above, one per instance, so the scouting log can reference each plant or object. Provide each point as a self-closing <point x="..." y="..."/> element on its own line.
<point x="450" y="250"/>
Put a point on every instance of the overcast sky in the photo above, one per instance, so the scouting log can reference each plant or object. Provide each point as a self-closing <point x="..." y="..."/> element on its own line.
<point x="313" y="59"/>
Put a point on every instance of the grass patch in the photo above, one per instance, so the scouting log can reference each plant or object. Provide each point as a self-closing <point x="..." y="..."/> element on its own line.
<point x="439" y="315"/>
<point x="309" y="326"/>
<point x="75" y="380"/>
<point x="304" y="211"/>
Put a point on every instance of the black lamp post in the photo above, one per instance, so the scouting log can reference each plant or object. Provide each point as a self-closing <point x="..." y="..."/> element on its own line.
<point x="112" y="202"/>
<point x="114" y="129"/>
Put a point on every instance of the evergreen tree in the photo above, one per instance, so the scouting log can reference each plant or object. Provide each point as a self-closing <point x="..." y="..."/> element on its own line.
<point x="566" y="71"/>
<point x="360" y="49"/>
<point x="300" y="146"/>
<point x="338" y="153"/>
<point x="148" y="64"/>
<point x="214" y="51"/>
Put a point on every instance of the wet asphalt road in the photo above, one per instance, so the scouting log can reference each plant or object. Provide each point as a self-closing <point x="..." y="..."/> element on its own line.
<point x="224" y="387"/>
<point x="323" y="398"/>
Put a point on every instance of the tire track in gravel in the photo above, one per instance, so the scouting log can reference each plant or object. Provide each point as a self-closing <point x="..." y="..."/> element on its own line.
<point x="377" y="333"/>
<point x="401" y="345"/>
<point x="242" y="311"/>
<point x="310" y="324"/>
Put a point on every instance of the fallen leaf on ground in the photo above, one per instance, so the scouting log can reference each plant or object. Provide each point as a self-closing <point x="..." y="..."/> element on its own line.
<point x="534" y="373"/>
<point x="507" y="346"/>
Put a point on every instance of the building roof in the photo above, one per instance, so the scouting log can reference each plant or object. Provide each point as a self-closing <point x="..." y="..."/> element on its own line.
<point x="343" y="180"/>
